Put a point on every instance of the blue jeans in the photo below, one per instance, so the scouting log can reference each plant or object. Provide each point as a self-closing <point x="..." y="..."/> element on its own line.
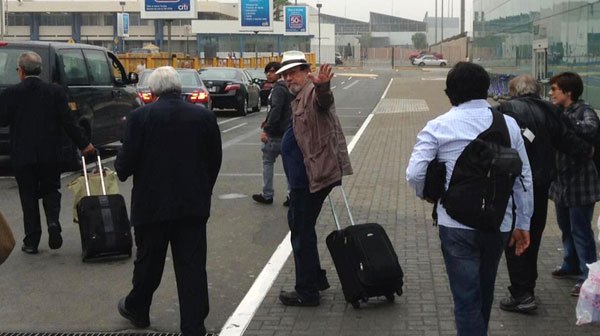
<point x="271" y="150"/>
<point x="579" y="247"/>
<point x="471" y="258"/>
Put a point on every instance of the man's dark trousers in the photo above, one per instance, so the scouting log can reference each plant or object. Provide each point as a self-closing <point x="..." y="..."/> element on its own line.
<point x="523" y="269"/>
<point x="302" y="218"/>
<point x="38" y="181"/>
<point x="188" y="246"/>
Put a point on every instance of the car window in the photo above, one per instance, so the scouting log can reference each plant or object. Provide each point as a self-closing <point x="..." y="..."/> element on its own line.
<point x="188" y="78"/>
<point x="98" y="67"/>
<point x="8" y="65"/>
<point x="117" y="68"/>
<point x="74" y="66"/>
<point x="217" y="73"/>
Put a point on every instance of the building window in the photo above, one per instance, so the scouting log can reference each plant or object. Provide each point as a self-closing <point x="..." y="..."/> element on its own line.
<point x="109" y="19"/>
<point x="56" y="19"/>
<point x="90" y="19"/>
<point x="19" y="19"/>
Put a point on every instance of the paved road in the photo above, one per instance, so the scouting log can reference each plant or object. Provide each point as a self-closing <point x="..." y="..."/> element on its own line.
<point x="55" y="291"/>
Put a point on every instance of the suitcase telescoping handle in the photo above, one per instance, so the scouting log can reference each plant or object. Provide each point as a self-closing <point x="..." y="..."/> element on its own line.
<point x="335" y="216"/>
<point x="85" y="173"/>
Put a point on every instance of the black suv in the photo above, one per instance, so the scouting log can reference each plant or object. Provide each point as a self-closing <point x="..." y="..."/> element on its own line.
<point x="99" y="91"/>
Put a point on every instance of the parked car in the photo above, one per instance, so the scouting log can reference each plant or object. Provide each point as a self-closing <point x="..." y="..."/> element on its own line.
<point x="100" y="93"/>
<point x="338" y="59"/>
<point x="414" y="55"/>
<point x="259" y="77"/>
<point x="231" y="88"/>
<point x="429" y="60"/>
<point x="193" y="89"/>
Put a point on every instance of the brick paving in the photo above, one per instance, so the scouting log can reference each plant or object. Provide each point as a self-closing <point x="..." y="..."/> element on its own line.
<point x="378" y="193"/>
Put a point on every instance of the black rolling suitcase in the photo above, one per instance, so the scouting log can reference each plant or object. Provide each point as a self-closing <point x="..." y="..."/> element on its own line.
<point x="365" y="260"/>
<point x="103" y="222"/>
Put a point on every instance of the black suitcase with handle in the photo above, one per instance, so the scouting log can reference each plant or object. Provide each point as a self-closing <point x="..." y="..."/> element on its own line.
<point x="103" y="222"/>
<point x="365" y="260"/>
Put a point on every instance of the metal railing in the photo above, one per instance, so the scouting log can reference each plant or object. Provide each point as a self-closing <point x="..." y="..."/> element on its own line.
<point x="131" y="61"/>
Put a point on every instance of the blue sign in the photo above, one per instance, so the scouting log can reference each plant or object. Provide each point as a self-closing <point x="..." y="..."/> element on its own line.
<point x="295" y="19"/>
<point x="255" y="15"/>
<point x="126" y="24"/>
<point x="167" y="5"/>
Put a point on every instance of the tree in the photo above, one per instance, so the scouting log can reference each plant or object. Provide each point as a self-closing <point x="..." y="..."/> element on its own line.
<point x="419" y="40"/>
<point x="278" y="9"/>
<point x="365" y="40"/>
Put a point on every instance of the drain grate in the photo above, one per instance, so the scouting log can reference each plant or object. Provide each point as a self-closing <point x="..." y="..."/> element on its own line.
<point x="90" y="334"/>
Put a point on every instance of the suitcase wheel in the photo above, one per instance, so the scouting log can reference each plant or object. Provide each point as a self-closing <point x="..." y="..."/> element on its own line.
<point x="355" y="304"/>
<point x="399" y="292"/>
<point x="390" y="297"/>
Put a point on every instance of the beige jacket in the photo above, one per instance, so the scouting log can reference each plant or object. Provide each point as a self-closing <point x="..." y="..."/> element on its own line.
<point x="319" y="136"/>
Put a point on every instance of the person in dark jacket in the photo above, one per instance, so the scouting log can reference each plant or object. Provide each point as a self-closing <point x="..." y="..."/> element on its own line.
<point x="274" y="126"/>
<point x="173" y="150"/>
<point x="576" y="188"/>
<point x="37" y="113"/>
<point x="543" y="132"/>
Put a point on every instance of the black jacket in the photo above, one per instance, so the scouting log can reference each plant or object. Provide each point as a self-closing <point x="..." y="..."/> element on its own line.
<point x="37" y="113"/>
<point x="280" y="110"/>
<point x="544" y="121"/>
<point x="173" y="150"/>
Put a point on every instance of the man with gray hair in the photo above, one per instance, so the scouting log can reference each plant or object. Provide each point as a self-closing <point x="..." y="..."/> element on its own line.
<point x="37" y="113"/>
<point x="543" y="132"/>
<point x="173" y="150"/>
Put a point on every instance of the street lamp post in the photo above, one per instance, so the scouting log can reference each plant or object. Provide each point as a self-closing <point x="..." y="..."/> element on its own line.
<point x="1" y="20"/>
<point x="319" y="17"/>
<point x="122" y="3"/>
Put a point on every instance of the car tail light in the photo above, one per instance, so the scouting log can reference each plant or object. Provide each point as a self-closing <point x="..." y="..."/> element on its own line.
<point x="231" y="87"/>
<point x="3" y="43"/>
<point x="198" y="97"/>
<point x="145" y="96"/>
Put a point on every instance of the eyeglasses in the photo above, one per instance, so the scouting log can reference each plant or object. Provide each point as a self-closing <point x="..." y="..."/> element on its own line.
<point x="271" y="71"/>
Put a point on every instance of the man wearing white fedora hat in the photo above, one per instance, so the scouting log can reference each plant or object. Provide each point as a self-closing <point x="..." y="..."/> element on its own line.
<point x="315" y="158"/>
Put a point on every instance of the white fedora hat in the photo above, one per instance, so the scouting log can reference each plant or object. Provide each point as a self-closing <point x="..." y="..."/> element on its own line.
<point x="291" y="59"/>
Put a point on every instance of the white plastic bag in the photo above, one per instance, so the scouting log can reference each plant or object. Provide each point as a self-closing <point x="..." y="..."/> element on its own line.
<point x="588" y="304"/>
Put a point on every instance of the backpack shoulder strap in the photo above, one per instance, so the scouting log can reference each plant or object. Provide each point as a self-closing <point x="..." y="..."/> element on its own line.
<point x="498" y="130"/>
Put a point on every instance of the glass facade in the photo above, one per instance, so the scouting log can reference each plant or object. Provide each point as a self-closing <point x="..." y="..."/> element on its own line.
<point x="541" y="38"/>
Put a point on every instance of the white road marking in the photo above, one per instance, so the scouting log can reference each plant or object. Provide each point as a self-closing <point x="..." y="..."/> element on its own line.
<point x="246" y="174"/>
<point x="234" y="127"/>
<point x="351" y="85"/>
<point x="240" y="138"/>
<point x="228" y="120"/>
<point x="232" y="196"/>
<point x="343" y="83"/>
<point x="333" y="87"/>
<point x="237" y="323"/>
<point x="350" y="78"/>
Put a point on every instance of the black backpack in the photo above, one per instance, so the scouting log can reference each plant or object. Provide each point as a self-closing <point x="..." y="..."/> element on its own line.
<point x="483" y="178"/>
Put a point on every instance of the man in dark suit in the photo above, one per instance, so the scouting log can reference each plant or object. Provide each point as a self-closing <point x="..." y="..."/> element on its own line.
<point x="173" y="150"/>
<point x="37" y="112"/>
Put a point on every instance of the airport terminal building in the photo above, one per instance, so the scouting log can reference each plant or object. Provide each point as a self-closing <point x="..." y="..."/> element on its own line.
<point x="540" y="37"/>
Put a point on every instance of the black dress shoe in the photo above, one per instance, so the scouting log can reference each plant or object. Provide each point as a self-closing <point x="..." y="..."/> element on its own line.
<point x="292" y="299"/>
<point x="287" y="202"/>
<point x="131" y="316"/>
<point x="261" y="199"/>
<point x="55" y="240"/>
<point x="29" y="249"/>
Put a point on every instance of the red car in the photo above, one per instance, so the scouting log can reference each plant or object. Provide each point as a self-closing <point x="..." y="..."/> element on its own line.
<point x="414" y="55"/>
